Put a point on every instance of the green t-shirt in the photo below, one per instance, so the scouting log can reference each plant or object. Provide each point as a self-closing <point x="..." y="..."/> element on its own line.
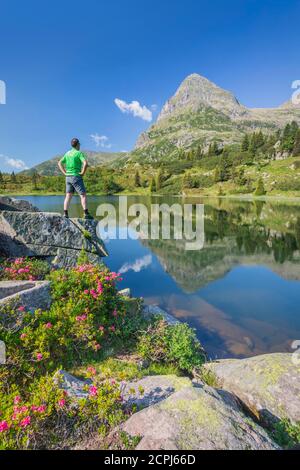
<point x="72" y="161"/>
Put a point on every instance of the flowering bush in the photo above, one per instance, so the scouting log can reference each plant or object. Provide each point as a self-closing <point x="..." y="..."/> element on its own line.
<point x="46" y="417"/>
<point x="23" y="269"/>
<point x="86" y="322"/>
<point x="86" y="315"/>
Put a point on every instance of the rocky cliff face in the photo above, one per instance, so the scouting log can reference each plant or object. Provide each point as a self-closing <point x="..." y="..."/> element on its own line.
<point x="196" y="91"/>
<point x="201" y="112"/>
<point x="25" y="232"/>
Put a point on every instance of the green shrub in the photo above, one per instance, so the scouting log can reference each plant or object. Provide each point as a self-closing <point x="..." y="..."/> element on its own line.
<point x="23" y="269"/>
<point x="291" y="184"/>
<point x="260" y="188"/>
<point x="46" y="417"/>
<point x="286" y="434"/>
<point x="174" y="344"/>
<point x="84" y="318"/>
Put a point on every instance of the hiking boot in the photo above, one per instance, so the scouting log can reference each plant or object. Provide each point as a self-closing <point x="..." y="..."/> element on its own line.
<point x="88" y="216"/>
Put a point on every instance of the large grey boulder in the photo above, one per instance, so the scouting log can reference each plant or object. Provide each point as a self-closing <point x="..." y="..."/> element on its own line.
<point x="197" y="418"/>
<point x="51" y="236"/>
<point x="142" y="393"/>
<point x="11" y="204"/>
<point x="32" y="295"/>
<point x="269" y="385"/>
<point x="152" y="389"/>
<point x="74" y="387"/>
<point x="154" y="310"/>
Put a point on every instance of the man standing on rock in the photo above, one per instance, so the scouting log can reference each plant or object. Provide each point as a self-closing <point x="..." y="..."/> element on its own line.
<point x="74" y="165"/>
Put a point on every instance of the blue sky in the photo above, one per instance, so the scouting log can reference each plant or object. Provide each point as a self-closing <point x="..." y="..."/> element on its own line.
<point x="65" y="62"/>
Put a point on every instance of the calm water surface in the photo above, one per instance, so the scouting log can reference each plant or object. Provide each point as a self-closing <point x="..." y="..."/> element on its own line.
<point x="241" y="291"/>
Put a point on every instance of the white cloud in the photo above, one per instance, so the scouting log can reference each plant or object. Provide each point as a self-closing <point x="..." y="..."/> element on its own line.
<point x="154" y="107"/>
<point x="15" y="163"/>
<point x="100" y="141"/>
<point x="134" y="108"/>
<point x="137" y="265"/>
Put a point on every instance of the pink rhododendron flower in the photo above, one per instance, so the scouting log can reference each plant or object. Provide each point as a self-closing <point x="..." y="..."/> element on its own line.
<point x="21" y="308"/>
<point x="25" y="422"/>
<point x="112" y="328"/>
<point x="17" y="399"/>
<point x="61" y="402"/>
<point x="97" y="347"/>
<point x="81" y="317"/>
<point x="86" y="291"/>
<point x="91" y="370"/>
<point x="93" y="391"/>
<point x="48" y="325"/>
<point x="101" y="328"/>
<point x="23" y="336"/>
<point x="39" y="356"/>
<point x="115" y="313"/>
<point x="3" y="426"/>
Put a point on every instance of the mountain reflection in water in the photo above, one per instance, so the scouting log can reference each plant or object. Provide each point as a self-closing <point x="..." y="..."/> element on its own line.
<point x="241" y="291"/>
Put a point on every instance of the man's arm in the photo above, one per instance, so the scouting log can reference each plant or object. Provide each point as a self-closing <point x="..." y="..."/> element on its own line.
<point x="60" y="166"/>
<point x="84" y="167"/>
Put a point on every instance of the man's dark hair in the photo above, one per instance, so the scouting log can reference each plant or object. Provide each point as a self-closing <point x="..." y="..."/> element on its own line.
<point x="74" y="142"/>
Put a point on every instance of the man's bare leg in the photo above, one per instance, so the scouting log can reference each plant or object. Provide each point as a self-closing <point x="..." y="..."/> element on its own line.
<point x="83" y="199"/>
<point x="67" y="203"/>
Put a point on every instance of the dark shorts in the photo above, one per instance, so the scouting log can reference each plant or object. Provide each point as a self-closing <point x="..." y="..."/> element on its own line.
<point x="75" y="183"/>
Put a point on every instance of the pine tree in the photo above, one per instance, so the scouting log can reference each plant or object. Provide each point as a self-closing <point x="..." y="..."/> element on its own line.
<point x="245" y="143"/>
<point x="217" y="175"/>
<point x="152" y="186"/>
<point x="34" y="179"/>
<point x="289" y="136"/>
<point x="260" y="188"/>
<point x="1" y="177"/>
<point x="13" y="177"/>
<point x="137" y="179"/>
<point x="296" y="149"/>
<point x="159" y="180"/>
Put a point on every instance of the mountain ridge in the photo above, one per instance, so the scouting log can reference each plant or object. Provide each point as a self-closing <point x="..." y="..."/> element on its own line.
<point x="50" y="168"/>
<point x="201" y="112"/>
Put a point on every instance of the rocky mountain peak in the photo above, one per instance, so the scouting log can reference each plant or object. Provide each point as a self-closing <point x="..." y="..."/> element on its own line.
<point x="197" y="91"/>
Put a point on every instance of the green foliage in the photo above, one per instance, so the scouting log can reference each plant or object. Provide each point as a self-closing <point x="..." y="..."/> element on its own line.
<point x="152" y="186"/>
<point x="46" y="417"/>
<point x="260" y="188"/>
<point x="286" y="434"/>
<point x="288" y="184"/>
<point x="20" y="269"/>
<point x="137" y="179"/>
<point x="173" y="344"/>
<point x="86" y="316"/>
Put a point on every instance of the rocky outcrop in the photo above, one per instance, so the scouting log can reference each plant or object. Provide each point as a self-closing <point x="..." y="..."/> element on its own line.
<point x="197" y="417"/>
<point x="154" y="310"/>
<point x="50" y="236"/>
<point x="178" y="414"/>
<point x="29" y="294"/>
<point x="10" y="204"/>
<point x="269" y="385"/>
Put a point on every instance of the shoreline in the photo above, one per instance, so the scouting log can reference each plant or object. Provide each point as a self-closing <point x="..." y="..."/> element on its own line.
<point x="243" y="197"/>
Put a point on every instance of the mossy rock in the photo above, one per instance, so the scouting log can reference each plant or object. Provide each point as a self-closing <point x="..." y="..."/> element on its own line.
<point x="197" y="417"/>
<point x="269" y="385"/>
